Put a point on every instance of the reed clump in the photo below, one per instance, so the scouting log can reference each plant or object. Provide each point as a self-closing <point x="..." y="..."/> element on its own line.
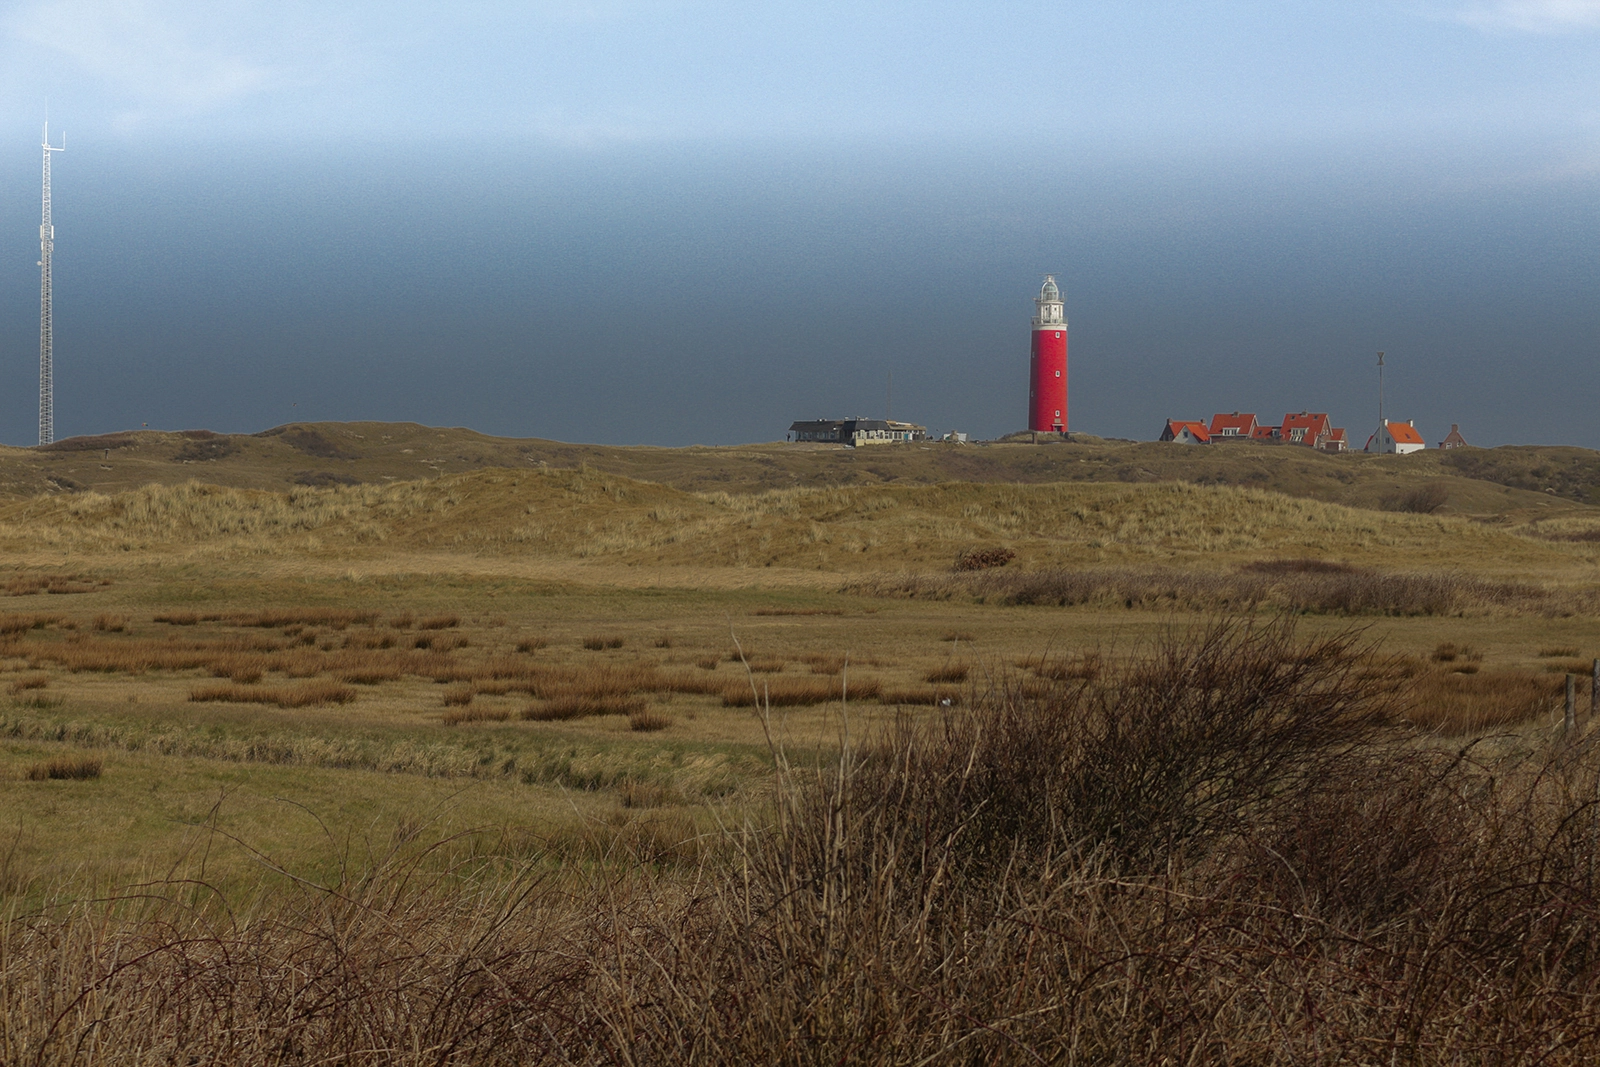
<point x="474" y="713"/>
<point x="306" y="695"/>
<point x="58" y="584"/>
<point x="558" y="709"/>
<point x="648" y="720"/>
<point x="788" y="691"/>
<point x="66" y="768"/>
<point x="32" y="681"/>
<point x="1459" y="700"/>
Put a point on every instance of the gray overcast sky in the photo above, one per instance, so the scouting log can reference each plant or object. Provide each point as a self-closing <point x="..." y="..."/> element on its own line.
<point x="668" y="222"/>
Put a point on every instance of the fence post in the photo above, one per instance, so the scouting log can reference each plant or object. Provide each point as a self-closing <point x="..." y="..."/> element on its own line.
<point x="1594" y="692"/>
<point x="1572" y="686"/>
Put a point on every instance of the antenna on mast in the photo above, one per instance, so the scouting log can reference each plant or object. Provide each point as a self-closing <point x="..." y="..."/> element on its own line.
<point x="1380" y="390"/>
<point x="47" y="243"/>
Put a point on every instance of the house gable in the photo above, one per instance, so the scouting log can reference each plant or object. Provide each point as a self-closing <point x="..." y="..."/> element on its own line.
<point x="1234" y="426"/>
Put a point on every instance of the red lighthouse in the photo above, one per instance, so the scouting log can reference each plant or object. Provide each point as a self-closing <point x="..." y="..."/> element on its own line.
<point x="1047" y="383"/>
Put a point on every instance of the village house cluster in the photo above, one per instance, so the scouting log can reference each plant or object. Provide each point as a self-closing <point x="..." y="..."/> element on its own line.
<point x="1310" y="429"/>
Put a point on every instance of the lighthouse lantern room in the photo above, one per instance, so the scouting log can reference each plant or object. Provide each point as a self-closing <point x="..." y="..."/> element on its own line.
<point x="1047" y="388"/>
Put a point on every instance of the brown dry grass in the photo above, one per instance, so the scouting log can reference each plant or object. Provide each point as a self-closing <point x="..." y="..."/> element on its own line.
<point x="950" y="672"/>
<point x="66" y="768"/>
<point x="456" y="716"/>
<point x="459" y="695"/>
<point x="929" y="697"/>
<point x="306" y="695"/>
<point x="34" y="681"/>
<point x="34" y="584"/>
<point x="648" y="721"/>
<point x="16" y="624"/>
<point x="554" y="709"/>
<point x="1216" y="851"/>
<point x="1342" y="590"/>
<point x="1460" y="703"/>
<point x="790" y="691"/>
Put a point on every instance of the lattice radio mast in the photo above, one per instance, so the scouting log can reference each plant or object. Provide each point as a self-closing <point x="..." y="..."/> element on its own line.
<point x="47" y="243"/>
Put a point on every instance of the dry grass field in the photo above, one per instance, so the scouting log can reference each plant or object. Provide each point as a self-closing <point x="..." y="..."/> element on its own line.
<point x="718" y="755"/>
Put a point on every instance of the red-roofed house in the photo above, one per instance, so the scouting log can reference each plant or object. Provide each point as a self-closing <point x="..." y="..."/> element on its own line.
<point x="1186" y="433"/>
<point x="1396" y="437"/>
<point x="1265" y="434"/>
<point x="1234" y="427"/>
<point x="1453" y="439"/>
<point x="1334" y="441"/>
<point x="1305" y="428"/>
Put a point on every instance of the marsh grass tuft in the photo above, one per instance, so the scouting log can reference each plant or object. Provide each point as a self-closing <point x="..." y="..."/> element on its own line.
<point x="459" y="695"/>
<point x="32" y="681"/>
<point x="648" y="721"/>
<point x="582" y="707"/>
<point x="58" y="584"/>
<point x="457" y="715"/>
<point x="950" y="672"/>
<point x="309" y="694"/>
<point x="66" y="768"/>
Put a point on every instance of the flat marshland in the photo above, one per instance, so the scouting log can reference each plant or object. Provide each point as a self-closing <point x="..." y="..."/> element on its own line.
<point x="1256" y="759"/>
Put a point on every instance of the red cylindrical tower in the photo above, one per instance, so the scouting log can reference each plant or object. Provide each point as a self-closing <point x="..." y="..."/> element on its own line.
<point x="1047" y="382"/>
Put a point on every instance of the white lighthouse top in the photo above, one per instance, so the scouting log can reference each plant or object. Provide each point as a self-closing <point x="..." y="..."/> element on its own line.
<point x="1052" y="313"/>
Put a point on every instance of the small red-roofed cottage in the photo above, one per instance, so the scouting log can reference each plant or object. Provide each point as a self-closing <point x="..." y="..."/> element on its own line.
<point x="1453" y="439"/>
<point x="1305" y="428"/>
<point x="1397" y="438"/>
<point x="1264" y="434"/>
<point x="1234" y="427"/>
<point x="1186" y="433"/>
<point x="1334" y="441"/>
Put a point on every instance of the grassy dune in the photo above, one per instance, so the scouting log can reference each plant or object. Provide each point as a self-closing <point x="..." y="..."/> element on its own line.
<point x="1526" y="479"/>
<point x="585" y="515"/>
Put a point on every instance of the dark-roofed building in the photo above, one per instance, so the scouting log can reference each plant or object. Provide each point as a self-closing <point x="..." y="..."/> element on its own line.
<point x="1397" y="438"/>
<point x="1186" y="432"/>
<point x="857" y="432"/>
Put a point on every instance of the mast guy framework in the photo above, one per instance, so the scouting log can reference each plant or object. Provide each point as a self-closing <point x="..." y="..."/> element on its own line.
<point x="47" y="242"/>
